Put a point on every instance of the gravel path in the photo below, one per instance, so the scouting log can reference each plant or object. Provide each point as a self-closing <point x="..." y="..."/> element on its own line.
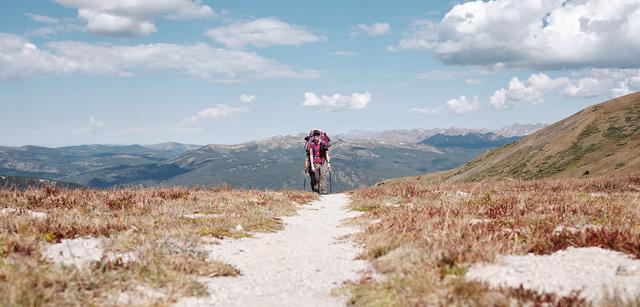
<point x="299" y="266"/>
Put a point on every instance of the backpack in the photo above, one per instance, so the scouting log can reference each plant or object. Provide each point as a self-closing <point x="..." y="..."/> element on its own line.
<point x="325" y="141"/>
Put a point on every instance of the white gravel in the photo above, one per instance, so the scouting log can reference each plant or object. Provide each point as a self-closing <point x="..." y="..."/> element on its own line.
<point x="595" y="272"/>
<point x="77" y="252"/>
<point x="298" y="266"/>
<point x="80" y="252"/>
<point x="32" y="214"/>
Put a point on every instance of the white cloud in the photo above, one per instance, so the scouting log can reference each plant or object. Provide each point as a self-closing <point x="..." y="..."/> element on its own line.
<point x="337" y="101"/>
<point x="374" y="29"/>
<point x="133" y="17"/>
<point x="422" y="35"/>
<point x="247" y="98"/>
<point x="473" y="81"/>
<point x="51" y="25"/>
<point x="43" y="19"/>
<point x="591" y="83"/>
<point x="463" y="104"/>
<point x="551" y="34"/>
<point x="430" y="111"/>
<point x="343" y="54"/>
<point x="215" y="113"/>
<point x="263" y="32"/>
<point x="115" y="25"/>
<point x="95" y="126"/>
<point x="21" y="59"/>
<point x="458" y="105"/>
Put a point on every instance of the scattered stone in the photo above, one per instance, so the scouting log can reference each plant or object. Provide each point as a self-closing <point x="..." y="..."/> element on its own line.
<point x="8" y="210"/>
<point x="81" y="252"/>
<point x="32" y="214"/>
<point x="239" y="228"/>
<point x="78" y="252"/>
<point x="37" y="215"/>
<point x="122" y="257"/>
<point x="202" y="216"/>
<point x="628" y="269"/>
<point x="593" y="272"/>
<point x="598" y="194"/>
<point x="574" y="230"/>
<point x="391" y="205"/>
<point x="463" y="194"/>
<point x="474" y="222"/>
<point x="141" y="295"/>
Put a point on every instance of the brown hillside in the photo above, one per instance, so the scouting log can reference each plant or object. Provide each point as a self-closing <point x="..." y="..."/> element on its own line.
<point x="601" y="139"/>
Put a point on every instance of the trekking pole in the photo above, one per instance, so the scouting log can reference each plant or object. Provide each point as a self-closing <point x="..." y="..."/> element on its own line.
<point x="330" y="188"/>
<point x="304" y="185"/>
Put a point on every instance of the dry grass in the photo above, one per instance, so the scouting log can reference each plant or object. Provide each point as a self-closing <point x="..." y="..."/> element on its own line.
<point x="429" y="234"/>
<point x="149" y="222"/>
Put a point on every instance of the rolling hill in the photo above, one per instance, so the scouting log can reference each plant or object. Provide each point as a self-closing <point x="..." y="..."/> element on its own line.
<point x="600" y="140"/>
<point x="277" y="163"/>
<point x="68" y="161"/>
<point x="359" y="159"/>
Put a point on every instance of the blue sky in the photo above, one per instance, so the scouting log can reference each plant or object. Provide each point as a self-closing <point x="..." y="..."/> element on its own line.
<point x="147" y="71"/>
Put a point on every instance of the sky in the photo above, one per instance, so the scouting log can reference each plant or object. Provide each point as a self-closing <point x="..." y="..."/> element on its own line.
<point x="201" y="72"/>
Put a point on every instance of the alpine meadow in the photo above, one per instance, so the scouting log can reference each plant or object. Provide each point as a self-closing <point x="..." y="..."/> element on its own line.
<point x="330" y="153"/>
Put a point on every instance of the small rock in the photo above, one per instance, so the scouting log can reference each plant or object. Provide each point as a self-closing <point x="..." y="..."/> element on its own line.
<point x="8" y="210"/>
<point x="474" y="222"/>
<point x="201" y="215"/>
<point x="561" y="228"/>
<point x="38" y="215"/>
<point x="628" y="269"/>
<point x="463" y="194"/>
<point x="239" y="227"/>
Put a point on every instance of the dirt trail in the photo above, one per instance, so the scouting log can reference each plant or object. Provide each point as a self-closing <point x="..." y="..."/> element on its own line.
<point x="299" y="266"/>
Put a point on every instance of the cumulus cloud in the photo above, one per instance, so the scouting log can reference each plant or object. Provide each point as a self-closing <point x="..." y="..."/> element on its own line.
<point x="592" y="83"/>
<point x="134" y="17"/>
<point x="374" y="29"/>
<point x="21" y="59"/>
<point x="463" y="104"/>
<point x="550" y="34"/>
<point x="247" y="98"/>
<point x="216" y="113"/>
<point x="263" y="32"/>
<point x="337" y="101"/>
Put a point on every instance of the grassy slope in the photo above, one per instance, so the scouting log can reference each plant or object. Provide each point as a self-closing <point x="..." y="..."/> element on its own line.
<point x="601" y="139"/>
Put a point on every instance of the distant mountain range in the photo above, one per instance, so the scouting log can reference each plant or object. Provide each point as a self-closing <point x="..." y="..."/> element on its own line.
<point x="359" y="159"/>
<point x="603" y="139"/>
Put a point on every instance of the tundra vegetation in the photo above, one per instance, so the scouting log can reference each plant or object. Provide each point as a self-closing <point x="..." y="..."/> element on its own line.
<point x="148" y="239"/>
<point x="423" y="236"/>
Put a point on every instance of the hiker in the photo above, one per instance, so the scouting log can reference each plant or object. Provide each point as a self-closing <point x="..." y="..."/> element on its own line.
<point x="318" y="160"/>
